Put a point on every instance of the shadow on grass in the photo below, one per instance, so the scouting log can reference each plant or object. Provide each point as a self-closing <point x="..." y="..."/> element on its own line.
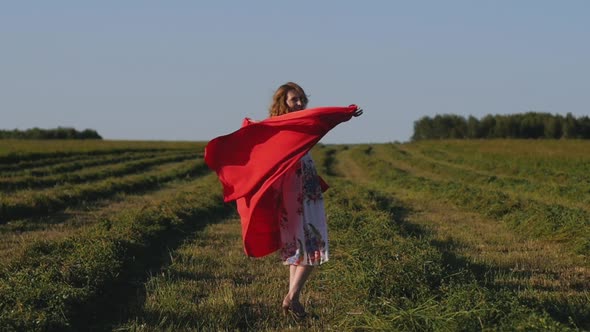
<point x="126" y="297"/>
<point x="243" y="317"/>
<point x="569" y="313"/>
<point x="238" y="280"/>
<point x="566" y="312"/>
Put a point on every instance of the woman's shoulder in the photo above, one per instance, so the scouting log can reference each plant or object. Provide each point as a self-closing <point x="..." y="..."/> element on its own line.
<point x="248" y="121"/>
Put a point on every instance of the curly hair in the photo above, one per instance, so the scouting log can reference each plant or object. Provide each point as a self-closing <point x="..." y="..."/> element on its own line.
<point x="279" y="99"/>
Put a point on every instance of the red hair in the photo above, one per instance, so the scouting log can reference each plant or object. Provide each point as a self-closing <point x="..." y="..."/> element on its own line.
<point x="279" y="99"/>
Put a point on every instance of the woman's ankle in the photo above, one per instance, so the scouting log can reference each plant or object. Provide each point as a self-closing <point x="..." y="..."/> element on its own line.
<point x="291" y="298"/>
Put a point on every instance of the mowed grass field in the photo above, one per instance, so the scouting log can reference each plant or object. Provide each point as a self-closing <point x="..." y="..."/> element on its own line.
<point x="425" y="236"/>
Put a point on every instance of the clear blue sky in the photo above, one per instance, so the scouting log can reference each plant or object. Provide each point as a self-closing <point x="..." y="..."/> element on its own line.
<point x="192" y="70"/>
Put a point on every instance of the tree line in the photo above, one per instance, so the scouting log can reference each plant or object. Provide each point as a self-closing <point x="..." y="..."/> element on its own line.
<point x="56" y="133"/>
<point x="524" y="125"/>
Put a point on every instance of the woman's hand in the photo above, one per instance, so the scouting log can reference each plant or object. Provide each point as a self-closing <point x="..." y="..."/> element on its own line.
<point x="357" y="112"/>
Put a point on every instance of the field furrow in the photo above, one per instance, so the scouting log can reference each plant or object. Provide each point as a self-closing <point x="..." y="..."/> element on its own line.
<point x="548" y="189"/>
<point x="47" y="158"/>
<point x="22" y="166"/>
<point x="542" y="274"/>
<point x="77" y="163"/>
<point x="13" y="151"/>
<point x="16" y="235"/>
<point x="82" y="281"/>
<point x="381" y="277"/>
<point x="424" y="236"/>
<point x="25" y="204"/>
<point x="532" y="217"/>
<point x="89" y="173"/>
<point x="211" y="285"/>
<point x="539" y="161"/>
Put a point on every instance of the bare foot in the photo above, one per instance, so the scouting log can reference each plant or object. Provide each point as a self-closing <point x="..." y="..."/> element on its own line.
<point x="295" y="307"/>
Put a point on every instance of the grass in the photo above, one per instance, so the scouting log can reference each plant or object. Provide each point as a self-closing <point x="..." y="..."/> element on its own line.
<point x="419" y="241"/>
<point x="69" y="175"/>
<point x="543" y="160"/>
<point x="29" y="203"/>
<point x="541" y="272"/>
<point x="525" y="215"/>
<point x="15" y="150"/>
<point x="54" y="284"/>
<point x="362" y="288"/>
<point x="552" y="190"/>
<point x="16" y="235"/>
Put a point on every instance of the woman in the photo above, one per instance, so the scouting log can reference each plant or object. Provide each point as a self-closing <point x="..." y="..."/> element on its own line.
<point x="304" y="237"/>
<point x="266" y="168"/>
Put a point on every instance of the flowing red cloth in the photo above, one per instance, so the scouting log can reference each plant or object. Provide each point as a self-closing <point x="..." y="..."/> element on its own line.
<point x="249" y="160"/>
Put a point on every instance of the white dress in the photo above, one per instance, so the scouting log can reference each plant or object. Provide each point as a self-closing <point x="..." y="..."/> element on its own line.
<point x="304" y="234"/>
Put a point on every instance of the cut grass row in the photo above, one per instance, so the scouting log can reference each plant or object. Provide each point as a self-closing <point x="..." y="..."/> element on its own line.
<point x="47" y="158"/>
<point x="61" y="165"/>
<point x="89" y="173"/>
<point x="537" y="219"/>
<point x="211" y="285"/>
<point x="22" y="166"/>
<point x="73" y="283"/>
<point x="542" y="274"/>
<point x="564" y="161"/>
<point x="382" y="275"/>
<point x="404" y="281"/>
<point x="553" y="191"/>
<point x="15" y="151"/>
<point x="33" y="203"/>
<point x="564" y="171"/>
<point x="17" y="234"/>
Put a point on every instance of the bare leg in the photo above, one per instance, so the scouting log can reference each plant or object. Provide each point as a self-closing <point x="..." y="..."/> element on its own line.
<point x="302" y="273"/>
<point x="298" y="275"/>
<point x="292" y="271"/>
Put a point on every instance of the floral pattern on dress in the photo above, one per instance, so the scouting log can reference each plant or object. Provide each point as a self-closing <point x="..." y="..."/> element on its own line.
<point x="314" y="244"/>
<point x="302" y="218"/>
<point x="289" y="250"/>
<point x="283" y="219"/>
<point x="312" y="190"/>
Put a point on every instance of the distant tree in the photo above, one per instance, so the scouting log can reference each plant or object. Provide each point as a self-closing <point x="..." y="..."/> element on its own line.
<point x="569" y="126"/>
<point x="422" y="128"/>
<point x="487" y="125"/>
<point x="584" y="127"/>
<point x="531" y="126"/>
<point x="89" y="134"/>
<point x="57" y="133"/>
<point x="473" y="130"/>
<point x="441" y="127"/>
<point x="553" y="127"/>
<point x="34" y="133"/>
<point x="501" y="127"/>
<point x="458" y="126"/>
<point x="525" y="125"/>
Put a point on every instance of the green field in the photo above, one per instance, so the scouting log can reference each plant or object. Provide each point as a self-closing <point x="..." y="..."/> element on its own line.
<point x="433" y="235"/>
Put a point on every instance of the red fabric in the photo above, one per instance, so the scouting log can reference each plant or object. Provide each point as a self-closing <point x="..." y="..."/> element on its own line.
<point x="249" y="160"/>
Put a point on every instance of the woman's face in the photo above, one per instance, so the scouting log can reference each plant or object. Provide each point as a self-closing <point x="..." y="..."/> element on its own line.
<point x="295" y="101"/>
